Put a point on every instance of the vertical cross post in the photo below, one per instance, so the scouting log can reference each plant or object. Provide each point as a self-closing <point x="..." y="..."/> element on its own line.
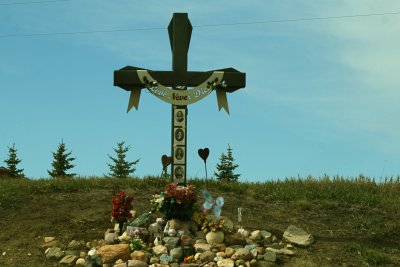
<point x="180" y="31"/>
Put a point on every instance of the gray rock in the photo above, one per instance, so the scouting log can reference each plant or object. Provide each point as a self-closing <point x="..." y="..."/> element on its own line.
<point x="76" y="245"/>
<point x="270" y="256"/>
<point x="136" y="263"/>
<point x="68" y="260"/>
<point x="54" y="253"/>
<point x="234" y="239"/>
<point x="110" y="237"/>
<point x="72" y="252"/>
<point x="171" y="242"/>
<point x="298" y="236"/>
<point x="250" y="247"/>
<point x="201" y="247"/>
<point x="240" y="262"/>
<point x="241" y="254"/>
<point x="266" y="236"/>
<point x="207" y="256"/>
<point x="176" y="254"/>
<point x="165" y="259"/>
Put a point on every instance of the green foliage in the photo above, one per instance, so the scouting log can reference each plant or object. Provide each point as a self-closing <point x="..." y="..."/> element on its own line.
<point x="12" y="163"/>
<point x="226" y="168"/>
<point x="61" y="163"/>
<point x="121" y="167"/>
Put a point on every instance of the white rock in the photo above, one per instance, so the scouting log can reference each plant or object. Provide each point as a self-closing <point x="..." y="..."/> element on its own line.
<point x="4" y="253"/>
<point x="80" y="262"/>
<point x="226" y="263"/>
<point x="197" y="256"/>
<point x="298" y="236"/>
<point x="287" y="251"/>
<point x="215" y="237"/>
<point x="255" y="235"/>
<point x="171" y="232"/>
<point x="92" y="252"/>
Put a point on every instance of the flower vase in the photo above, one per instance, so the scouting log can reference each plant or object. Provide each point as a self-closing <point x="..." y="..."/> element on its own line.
<point x="215" y="237"/>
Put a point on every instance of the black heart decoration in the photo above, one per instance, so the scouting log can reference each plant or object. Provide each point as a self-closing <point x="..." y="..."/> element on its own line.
<point x="165" y="160"/>
<point x="203" y="153"/>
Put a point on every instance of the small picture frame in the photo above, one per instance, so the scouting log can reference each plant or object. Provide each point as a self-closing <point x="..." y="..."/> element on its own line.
<point x="179" y="117"/>
<point x="179" y="155"/>
<point x="179" y="173"/>
<point x="179" y="136"/>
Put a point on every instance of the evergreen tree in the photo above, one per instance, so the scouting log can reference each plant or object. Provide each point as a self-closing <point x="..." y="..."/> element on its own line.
<point x="120" y="167"/>
<point x="226" y="168"/>
<point x="13" y="161"/>
<point x="61" y="163"/>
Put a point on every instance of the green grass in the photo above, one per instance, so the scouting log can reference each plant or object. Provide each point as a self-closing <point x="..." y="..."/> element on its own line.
<point x="372" y="256"/>
<point x="328" y="192"/>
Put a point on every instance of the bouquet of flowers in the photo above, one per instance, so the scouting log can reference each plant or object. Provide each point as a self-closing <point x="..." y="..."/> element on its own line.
<point x="121" y="207"/>
<point x="209" y="223"/>
<point x="176" y="202"/>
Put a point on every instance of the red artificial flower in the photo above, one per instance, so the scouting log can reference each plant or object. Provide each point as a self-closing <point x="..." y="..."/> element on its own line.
<point x="121" y="207"/>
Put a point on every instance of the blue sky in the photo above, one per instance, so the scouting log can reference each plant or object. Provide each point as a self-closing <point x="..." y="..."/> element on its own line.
<point x="322" y="96"/>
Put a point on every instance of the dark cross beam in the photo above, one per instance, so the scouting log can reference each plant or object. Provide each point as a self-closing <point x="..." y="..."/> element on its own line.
<point x="127" y="78"/>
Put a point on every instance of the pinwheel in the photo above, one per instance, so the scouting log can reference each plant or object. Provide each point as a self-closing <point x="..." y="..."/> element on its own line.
<point x="210" y="203"/>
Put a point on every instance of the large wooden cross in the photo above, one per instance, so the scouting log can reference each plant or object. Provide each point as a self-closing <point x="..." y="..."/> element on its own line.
<point x="172" y="87"/>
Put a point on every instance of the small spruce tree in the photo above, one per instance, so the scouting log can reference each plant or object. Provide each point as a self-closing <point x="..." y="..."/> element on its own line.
<point x="226" y="168"/>
<point x="120" y="167"/>
<point x="12" y="163"/>
<point x="61" y="163"/>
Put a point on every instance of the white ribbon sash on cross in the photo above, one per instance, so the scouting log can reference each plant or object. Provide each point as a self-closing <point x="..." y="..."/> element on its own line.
<point x="179" y="97"/>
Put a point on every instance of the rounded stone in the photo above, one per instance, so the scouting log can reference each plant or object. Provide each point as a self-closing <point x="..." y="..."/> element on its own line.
<point x="80" y="262"/>
<point x="215" y="237"/>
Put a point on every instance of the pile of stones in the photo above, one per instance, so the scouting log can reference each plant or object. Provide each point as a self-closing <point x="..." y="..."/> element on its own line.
<point x="180" y="244"/>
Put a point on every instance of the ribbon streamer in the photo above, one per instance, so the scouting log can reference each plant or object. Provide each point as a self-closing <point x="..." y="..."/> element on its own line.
<point x="134" y="99"/>
<point x="222" y="101"/>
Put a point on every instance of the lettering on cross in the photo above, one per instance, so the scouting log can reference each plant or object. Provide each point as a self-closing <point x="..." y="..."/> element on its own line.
<point x="180" y="88"/>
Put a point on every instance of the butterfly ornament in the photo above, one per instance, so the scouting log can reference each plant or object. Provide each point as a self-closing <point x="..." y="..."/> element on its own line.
<point x="210" y="203"/>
